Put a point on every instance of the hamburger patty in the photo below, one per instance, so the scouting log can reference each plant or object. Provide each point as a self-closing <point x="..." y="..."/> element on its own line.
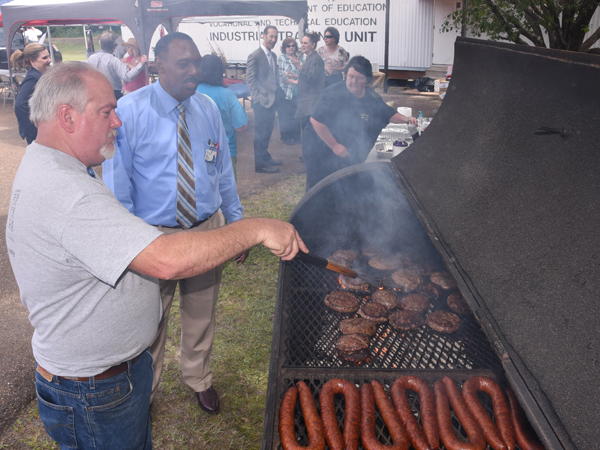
<point x="353" y="347"/>
<point x="443" y="321"/>
<point x="458" y="304"/>
<point x="371" y="251"/>
<point x="348" y="255"/>
<point x="356" y="284"/>
<point x="388" y="262"/>
<point x="415" y="302"/>
<point x="407" y="279"/>
<point x="429" y="290"/>
<point x="385" y="297"/>
<point x="358" y="325"/>
<point x="374" y="312"/>
<point x="344" y="302"/>
<point x="444" y="280"/>
<point x="406" y="320"/>
<point x="424" y="269"/>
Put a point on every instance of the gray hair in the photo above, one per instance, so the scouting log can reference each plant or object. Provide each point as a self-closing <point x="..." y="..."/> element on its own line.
<point x="107" y="42"/>
<point x="62" y="84"/>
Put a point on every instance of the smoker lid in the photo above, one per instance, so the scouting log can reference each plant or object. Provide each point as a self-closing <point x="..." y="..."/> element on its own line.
<point x="518" y="213"/>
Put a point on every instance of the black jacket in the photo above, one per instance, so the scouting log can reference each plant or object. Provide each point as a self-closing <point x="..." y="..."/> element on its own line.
<point x="27" y="129"/>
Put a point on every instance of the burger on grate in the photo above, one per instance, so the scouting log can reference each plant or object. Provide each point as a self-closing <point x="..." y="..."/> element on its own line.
<point x="348" y="255"/>
<point x="388" y="263"/>
<point x="443" y="321"/>
<point x="444" y="280"/>
<point x="374" y="312"/>
<point x="353" y="347"/>
<point x="429" y="290"/>
<point x="371" y="251"/>
<point x="458" y="304"/>
<point x="385" y="297"/>
<point x="415" y="302"/>
<point x="406" y="320"/>
<point x="358" y="325"/>
<point x="356" y="284"/>
<point x="407" y="279"/>
<point x="341" y="301"/>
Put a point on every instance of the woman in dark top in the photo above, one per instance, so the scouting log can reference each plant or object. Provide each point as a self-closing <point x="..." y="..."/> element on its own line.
<point x="345" y="123"/>
<point x="36" y="58"/>
<point x="311" y="79"/>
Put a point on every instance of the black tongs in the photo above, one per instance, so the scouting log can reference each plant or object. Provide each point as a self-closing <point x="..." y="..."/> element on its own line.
<point x="326" y="264"/>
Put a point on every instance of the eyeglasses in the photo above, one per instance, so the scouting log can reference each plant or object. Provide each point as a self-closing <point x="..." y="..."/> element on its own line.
<point x="328" y="36"/>
<point x="291" y="46"/>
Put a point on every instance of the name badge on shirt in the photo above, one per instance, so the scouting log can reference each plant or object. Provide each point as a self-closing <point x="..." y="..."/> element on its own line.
<point x="212" y="151"/>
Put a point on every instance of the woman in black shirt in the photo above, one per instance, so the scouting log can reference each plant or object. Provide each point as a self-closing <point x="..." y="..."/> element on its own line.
<point x="311" y="79"/>
<point x="345" y="123"/>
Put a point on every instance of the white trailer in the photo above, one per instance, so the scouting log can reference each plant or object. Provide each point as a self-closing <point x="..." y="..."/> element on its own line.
<point x="415" y="41"/>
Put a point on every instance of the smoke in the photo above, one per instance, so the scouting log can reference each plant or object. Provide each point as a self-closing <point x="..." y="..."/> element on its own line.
<point x="363" y="206"/>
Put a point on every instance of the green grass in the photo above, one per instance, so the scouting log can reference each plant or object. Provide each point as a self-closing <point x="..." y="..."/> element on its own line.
<point x="240" y="358"/>
<point x="72" y="49"/>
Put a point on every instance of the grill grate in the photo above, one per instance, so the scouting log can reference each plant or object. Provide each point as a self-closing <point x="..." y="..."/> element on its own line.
<point x="311" y="331"/>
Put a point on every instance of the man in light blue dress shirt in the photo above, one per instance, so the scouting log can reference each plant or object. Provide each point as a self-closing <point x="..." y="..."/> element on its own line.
<point x="143" y="177"/>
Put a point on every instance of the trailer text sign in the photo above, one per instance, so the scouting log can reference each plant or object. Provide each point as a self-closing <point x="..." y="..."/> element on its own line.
<point x="361" y="27"/>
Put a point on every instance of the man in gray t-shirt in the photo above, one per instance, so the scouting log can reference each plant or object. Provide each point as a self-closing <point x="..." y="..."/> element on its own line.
<point x="87" y="268"/>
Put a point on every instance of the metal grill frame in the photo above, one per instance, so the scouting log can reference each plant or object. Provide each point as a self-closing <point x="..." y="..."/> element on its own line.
<point x="509" y="370"/>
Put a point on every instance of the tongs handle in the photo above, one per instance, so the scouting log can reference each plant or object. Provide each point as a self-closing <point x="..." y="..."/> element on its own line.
<point x="314" y="260"/>
<point x="326" y="264"/>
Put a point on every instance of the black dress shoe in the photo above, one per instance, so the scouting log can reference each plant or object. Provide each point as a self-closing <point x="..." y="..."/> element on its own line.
<point x="267" y="169"/>
<point x="208" y="400"/>
<point x="274" y="162"/>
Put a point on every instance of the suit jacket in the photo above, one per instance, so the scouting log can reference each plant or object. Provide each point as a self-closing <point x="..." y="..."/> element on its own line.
<point x="261" y="79"/>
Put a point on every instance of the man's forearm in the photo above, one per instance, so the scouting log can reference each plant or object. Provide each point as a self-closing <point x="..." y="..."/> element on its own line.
<point x="190" y="253"/>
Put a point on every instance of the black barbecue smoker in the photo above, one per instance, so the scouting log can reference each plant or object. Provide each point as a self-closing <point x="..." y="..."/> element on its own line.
<point x="503" y="192"/>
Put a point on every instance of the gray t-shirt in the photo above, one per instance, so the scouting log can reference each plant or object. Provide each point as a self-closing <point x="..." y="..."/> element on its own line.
<point x="70" y="242"/>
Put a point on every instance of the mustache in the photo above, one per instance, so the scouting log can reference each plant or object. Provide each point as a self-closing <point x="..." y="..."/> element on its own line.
<point x="112" y="133"/>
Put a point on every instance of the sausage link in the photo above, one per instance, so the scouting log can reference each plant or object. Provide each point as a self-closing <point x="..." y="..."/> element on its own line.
<point x="445" y="391"/>
<point x="314" y="426"/>
<point x="351" y="414"/>
<point x="371" y="393"/>
<point x="524" y="438"/>
<point x="501" y="435"/>
<point x="427" y="438"/>
<point x="287" y="435"/>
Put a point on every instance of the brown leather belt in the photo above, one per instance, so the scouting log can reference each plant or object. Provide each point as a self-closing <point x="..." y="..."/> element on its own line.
<point x="110" y="372"/>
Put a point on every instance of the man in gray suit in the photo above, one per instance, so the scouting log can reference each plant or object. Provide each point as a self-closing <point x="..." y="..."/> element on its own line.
<point x="262" y="78"/>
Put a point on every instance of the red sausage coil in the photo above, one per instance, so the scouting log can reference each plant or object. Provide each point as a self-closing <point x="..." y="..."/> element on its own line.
<point x="333" y="435"/>
<point x="427" y="438"/>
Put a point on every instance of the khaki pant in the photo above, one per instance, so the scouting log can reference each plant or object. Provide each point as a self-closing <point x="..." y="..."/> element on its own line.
<point x="197" y="303"/>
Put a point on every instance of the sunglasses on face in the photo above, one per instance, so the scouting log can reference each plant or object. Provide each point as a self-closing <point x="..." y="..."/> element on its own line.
<point x="328" y="36"/>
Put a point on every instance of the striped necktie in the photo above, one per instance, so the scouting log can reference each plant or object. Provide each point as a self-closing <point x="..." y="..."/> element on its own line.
<point x="186" y="185"/>
<point x="270" y="58"/>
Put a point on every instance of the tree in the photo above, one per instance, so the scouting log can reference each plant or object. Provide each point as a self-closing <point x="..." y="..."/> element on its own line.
<point x="564" y="23"/>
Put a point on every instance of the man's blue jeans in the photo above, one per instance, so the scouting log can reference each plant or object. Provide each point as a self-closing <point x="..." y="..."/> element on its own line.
<point x="113" y="413"/>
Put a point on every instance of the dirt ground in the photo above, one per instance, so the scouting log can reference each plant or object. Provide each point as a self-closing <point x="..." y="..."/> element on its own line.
<point x="16" y="358"/>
